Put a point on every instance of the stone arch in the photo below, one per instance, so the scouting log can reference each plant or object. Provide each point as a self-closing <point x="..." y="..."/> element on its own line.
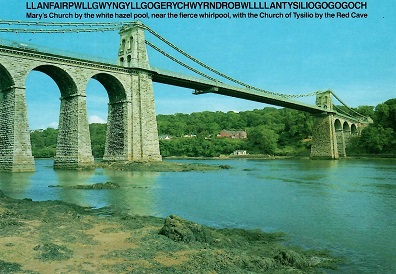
<point x="113" y="86"/>
<point x="129" y="59"/>
<point x="325" y="104"/>
<point x="337" y="125"/>
<point x="123" y="42"/>
<point x="6" y="80"/>
<point x="130" y="42"/>
<point x="117" y="135"/>
<point x="65" y="82"/>
<point x="346" y="128"/>
<point x="354" y="130"/>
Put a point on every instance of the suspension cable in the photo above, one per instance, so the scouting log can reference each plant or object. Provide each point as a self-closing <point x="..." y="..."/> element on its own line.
<point x="180" y="62"/>
<point x="194" y="59"/>
<point x="218" y="72"/>
<point x="59" y="24"/>
<point x="55" y="30"/>
<point x="355" y="112"/>
<point x="340" y="110"/>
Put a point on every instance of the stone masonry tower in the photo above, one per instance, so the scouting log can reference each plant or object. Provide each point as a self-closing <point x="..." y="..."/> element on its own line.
<point x="132" y="52"/>
<point x="323" y="100"/>
<point x="142" y="124"/>
<point x="324" y="141"/>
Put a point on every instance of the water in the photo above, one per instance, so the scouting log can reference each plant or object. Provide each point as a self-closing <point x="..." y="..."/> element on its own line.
<point x="345" y="206"/>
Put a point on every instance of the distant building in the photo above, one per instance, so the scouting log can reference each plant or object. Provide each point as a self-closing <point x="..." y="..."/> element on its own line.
<point x="239" y="152"/>
<point x="233" y="134"/>
<point x="165" y="137"/>
<point x="36" y="130"/>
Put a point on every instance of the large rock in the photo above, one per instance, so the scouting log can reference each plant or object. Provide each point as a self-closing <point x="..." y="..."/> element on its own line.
<point x="181" y="230"/>
<point x="292" y="258"/>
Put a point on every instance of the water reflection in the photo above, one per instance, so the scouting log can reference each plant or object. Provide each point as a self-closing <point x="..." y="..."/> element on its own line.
<point x="69" y="178"/>
<point x="15" y="184"/>
<point x="136" y="194"/>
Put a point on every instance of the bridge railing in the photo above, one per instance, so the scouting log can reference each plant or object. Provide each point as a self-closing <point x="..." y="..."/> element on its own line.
<point x="66" y="53"/>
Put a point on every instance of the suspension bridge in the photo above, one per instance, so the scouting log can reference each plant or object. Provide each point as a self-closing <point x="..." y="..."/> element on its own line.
<point x="132" y="128"/>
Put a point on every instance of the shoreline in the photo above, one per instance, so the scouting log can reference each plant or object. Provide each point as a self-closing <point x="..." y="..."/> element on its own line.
<point x="276" y="157"/>
<point x="54" y="237"/>
<point x="254" y="157"/>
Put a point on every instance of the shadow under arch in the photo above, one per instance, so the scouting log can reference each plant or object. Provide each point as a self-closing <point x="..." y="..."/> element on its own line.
<point x="6" y="80"/>
<point x="116" y="147"/>
<point x="113" y="86"/>
<point x="354" y="130"/>
<point x="337" y="125"/>
<point x="346" y="128"/>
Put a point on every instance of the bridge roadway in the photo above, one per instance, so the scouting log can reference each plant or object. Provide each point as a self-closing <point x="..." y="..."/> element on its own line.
<point x="200" y="85"/>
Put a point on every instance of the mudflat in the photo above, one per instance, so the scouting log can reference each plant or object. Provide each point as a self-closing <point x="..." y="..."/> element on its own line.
<point x="57" y="237"/>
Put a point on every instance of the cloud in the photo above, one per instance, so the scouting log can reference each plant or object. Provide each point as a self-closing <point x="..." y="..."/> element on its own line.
<point x="96" y="119"/>
<point x="53" y="125"/>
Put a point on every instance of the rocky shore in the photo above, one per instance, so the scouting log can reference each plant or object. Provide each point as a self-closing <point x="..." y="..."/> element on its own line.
<point x="57" y="237"/>
<point x="161" y="166"/>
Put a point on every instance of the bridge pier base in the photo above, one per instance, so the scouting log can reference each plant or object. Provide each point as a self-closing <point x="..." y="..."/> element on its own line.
<point x="341" y="144"/>
<point x="15" y="147"/>
<point x="118" y="130"/>
<point x="73" y="149"/>
<point x="145" y="143"/>
<point x="324" y="139"/>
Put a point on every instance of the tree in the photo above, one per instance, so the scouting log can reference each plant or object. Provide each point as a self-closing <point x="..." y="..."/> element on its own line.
<point x="379" y="137"/>
<point x="385" y="114"/>
<point x="263" y="139"/>
<point x="98" y="139"/>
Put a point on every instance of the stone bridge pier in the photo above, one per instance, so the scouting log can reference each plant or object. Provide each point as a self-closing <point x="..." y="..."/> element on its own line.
<point x="15" y="147"/>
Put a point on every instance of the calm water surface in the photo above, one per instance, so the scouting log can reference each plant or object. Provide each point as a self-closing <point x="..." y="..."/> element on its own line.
<point x="346" y="206"/>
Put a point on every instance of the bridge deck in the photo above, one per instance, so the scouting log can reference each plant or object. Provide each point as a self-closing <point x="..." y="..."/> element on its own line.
<point x="201" y="86"/>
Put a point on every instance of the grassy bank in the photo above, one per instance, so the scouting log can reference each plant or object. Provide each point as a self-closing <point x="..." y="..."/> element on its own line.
<point x="56" y="237"/>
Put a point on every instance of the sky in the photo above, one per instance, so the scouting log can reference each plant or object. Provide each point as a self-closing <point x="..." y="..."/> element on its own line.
<point x="354" y="57"/>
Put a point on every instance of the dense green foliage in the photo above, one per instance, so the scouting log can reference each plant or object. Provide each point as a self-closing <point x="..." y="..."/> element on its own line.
<point x="98" y="139"/>
<point x="270" y="131"/>
<point x="379" y="137"/>
<point x="44" y="142"/>
<point x="196" y="147"/>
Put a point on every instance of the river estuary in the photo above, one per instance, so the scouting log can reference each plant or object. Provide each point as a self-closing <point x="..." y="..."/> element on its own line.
<point x="345" y="206"/>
